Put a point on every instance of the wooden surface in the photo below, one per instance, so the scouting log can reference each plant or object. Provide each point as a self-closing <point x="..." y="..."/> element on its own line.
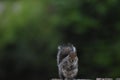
<point x="74" y="79"/>
<point x="91" y="79"/>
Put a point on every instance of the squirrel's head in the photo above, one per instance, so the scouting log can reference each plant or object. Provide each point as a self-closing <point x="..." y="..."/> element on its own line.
<point x="72" y="56"/>
<point x="67" y="48"/>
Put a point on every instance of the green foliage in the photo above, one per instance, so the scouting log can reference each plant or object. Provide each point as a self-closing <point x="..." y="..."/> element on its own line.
<point x="30" y="32"/>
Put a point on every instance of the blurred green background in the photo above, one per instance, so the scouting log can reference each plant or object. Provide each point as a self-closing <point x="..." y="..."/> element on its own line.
<point x="30" y="32"/>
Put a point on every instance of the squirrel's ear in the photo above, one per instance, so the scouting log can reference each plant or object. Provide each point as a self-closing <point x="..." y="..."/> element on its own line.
<point x="74" y="49"/>
<point x="59" y="47"/>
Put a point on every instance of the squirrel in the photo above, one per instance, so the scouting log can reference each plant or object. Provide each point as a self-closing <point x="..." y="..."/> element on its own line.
<point x="67" y="62"/>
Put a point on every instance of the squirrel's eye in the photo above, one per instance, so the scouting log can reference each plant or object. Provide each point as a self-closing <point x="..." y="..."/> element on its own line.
<point x="71" y="60"/>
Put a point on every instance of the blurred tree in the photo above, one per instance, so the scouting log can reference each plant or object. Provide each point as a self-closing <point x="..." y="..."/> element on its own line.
<point x="31" y="31"/>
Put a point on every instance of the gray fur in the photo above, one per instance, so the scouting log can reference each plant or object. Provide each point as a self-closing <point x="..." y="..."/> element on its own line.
<point x="67" y="69"/>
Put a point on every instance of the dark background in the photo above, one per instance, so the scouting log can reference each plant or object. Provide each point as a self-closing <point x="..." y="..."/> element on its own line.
<point x="31" y="31"/>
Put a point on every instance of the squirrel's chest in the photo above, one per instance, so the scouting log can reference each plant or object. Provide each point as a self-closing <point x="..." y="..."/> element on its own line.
<point x="68" y="66"/>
